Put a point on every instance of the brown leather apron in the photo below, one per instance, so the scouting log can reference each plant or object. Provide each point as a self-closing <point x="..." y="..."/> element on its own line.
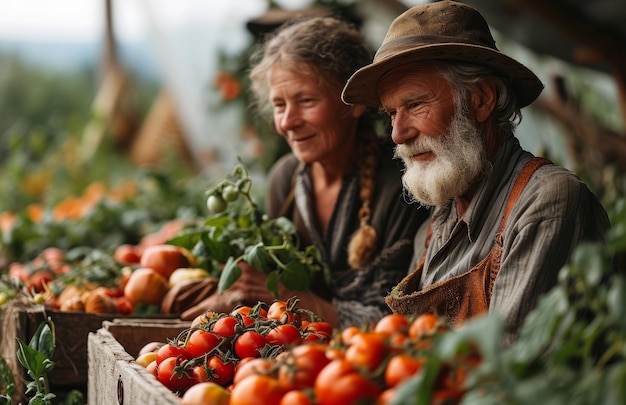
<point x="468" y="294"/>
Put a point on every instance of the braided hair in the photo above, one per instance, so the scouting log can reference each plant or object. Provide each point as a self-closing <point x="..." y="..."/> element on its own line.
<point x="331" y="49"/>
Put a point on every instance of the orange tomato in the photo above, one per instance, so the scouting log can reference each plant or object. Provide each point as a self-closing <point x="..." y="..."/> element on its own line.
<point x="164" y="258"/>
<point x="392" y="324"/>
<point x="367" y="349"/>
<point x="341" y="383"/>
<point x="145" y="286"/>
<point x="401" y="367"/>
<point x="257" y="388"/>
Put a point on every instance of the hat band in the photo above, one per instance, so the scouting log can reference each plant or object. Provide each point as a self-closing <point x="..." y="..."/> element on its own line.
<point x="410" y="42"/>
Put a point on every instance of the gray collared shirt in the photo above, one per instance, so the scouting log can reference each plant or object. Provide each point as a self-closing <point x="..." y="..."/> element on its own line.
<point x="553" y="214"/>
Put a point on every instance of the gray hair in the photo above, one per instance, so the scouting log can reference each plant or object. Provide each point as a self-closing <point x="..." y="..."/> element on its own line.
<point x="464" y="78"/>
<point x="328" y="48"/>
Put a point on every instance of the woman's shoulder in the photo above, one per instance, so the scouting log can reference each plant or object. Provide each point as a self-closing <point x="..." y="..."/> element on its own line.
<point x="283" y="169"/>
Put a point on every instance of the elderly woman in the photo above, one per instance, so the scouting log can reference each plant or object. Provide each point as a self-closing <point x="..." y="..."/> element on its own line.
<point x="340" y="184"/>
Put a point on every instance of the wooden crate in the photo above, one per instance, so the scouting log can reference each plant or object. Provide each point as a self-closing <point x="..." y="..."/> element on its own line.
<point x="114" y="376"/>
<point x="70" y="356"/>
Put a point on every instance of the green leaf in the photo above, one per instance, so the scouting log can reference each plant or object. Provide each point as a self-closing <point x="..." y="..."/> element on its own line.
<point x="31" y="359"/>
<point x="230" y="273"/>
<point x="43" y="340"/>
<point x="7" y="381"/>
<point x="286" y="225"/>
<point x="219" y="251"/>
<point x="257" y="256"/>
<point x="295" y="276"/>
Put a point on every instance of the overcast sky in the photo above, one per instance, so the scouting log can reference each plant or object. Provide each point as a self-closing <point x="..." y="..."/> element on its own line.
<point x="83" y="20"/>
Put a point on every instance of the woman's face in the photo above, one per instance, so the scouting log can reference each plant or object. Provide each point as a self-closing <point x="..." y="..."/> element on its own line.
<point x="317" y="125"/>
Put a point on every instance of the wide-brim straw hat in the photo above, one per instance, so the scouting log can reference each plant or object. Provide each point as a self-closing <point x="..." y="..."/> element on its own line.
<point x="445" y="30"/>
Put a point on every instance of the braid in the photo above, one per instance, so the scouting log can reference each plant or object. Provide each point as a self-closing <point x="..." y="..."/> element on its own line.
<point x="363" y="242"/>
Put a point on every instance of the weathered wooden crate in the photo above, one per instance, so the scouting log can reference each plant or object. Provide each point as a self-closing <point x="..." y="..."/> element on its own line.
<point x="114" y="376"/>
<point x="71" y="331"/>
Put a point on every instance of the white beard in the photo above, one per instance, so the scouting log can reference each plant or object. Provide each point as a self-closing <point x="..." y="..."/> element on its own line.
<point x="460" y="157"/>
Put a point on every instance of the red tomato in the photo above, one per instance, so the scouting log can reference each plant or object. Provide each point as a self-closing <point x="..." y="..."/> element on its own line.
<point x="38" y="279"/>
<point x="348" y="333"/>
<point x="280" y="311"/>
<point x="201" y="342"/>
<point x="124" y="306"/>
<point x="251" y="366"/>
<point x="257" y="388"/>
<point x="169" y="350"/>
<point x="341" y="383"/>
<point x="401" y="367"/>
<point x="256" y="312"/>
<point x="55" y="259"/>
<point x="318" y="327"/>
<point x="200" y="374"/>
<point x="220" y="372"/>
<point x="249" y="344"/>
<point x="423" y="325"/>
<point x="302" y="365"/>
<point x="18" y="272"/>
<point x="392" y="324"/>
<point x="225" y="326"/>
<point x="153" y="368"/>
<point x="367" y="349"/>
<point x="296" y="398"/>
<point x="173" y="378"/>
<point x="387" y="397"/>
<point x="164" y="259"/>
<point x="127" y="254"/>
<point x="284" y="335"/>
<point x="145" y="286"/>
<point x="205" y="393"/>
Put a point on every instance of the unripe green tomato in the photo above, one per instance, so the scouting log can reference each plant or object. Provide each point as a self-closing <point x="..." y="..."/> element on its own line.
<point x="230" y="193"/>
<point x="216" y="203"/>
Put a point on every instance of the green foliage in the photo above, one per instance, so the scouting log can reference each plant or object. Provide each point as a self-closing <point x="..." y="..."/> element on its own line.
<point x="238" y="231"/>
<point x="36" y="358"/>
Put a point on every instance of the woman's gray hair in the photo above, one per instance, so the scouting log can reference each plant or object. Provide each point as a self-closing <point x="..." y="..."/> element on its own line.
<point x="328" y="48"/>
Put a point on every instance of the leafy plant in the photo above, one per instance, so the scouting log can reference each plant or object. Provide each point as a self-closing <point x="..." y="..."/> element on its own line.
<point x="237" y="230"/>
<point x="36" y="358"/>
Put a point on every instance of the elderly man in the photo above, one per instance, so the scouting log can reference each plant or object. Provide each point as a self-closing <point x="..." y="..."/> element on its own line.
<point x="503" y="222"/>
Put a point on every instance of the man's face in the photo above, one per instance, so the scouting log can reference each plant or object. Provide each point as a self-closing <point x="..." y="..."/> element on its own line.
<point x="441" y="146"/>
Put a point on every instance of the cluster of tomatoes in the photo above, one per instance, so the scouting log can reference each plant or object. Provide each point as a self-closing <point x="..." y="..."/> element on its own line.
<point x="281" y="355"/>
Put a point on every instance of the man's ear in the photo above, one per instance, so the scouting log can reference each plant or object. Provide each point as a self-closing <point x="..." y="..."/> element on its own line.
<point x="483" y="100"/>
<point x="357" y="110"/>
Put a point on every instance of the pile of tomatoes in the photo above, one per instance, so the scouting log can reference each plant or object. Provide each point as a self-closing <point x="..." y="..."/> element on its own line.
<point x="279" y="354"/>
